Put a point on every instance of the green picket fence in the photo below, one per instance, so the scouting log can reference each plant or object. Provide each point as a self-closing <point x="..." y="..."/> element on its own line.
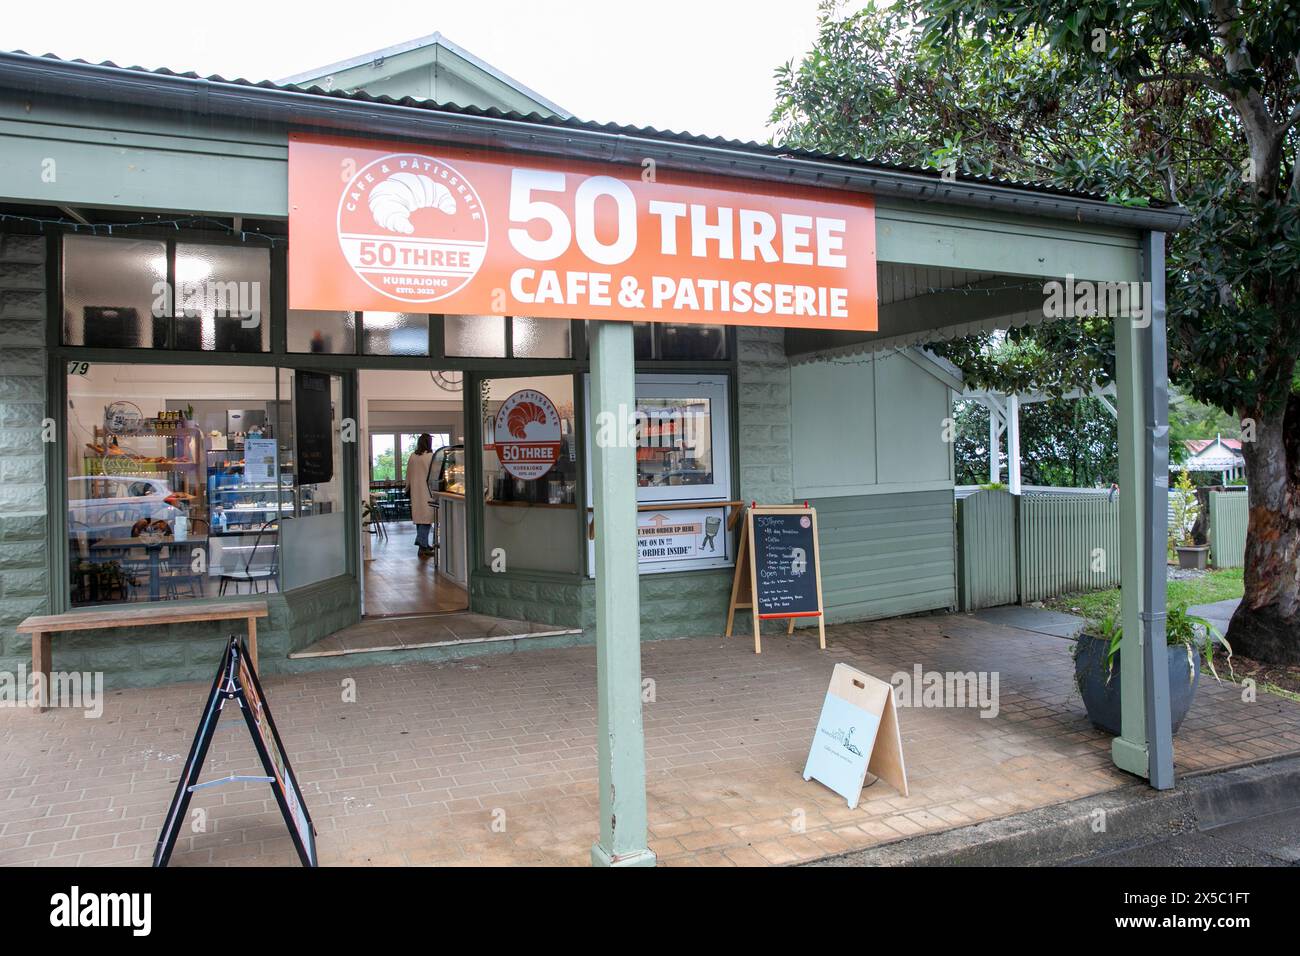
<point x="1015" y="549"/>
<point x="1067" y="543"/>
<point x="1229" y="512"/>
<point x="986" y="550"/>
<point x="1054" y="541"/>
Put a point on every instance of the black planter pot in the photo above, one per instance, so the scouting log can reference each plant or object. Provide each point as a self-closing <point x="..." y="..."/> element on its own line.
<point x="1101" y="698"/>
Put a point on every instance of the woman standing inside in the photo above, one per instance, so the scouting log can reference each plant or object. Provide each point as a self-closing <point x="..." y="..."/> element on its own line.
<point x="418" y="466"/>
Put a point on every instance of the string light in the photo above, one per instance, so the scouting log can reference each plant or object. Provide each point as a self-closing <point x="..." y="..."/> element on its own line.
<point x="94" y="228"/>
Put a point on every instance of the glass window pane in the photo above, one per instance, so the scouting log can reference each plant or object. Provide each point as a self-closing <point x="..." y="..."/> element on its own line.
<point x="383" y="467"/>
<point x="474" y="336"/>
<point x="530" y="512"/>
<point x="223" y="298"/>
<point x="395" y="333"/>
<point x="408" y="447"/>
<point x="540" y="338"/>
<point x="334" y="333"/>
<point x="674" y="442"/>
<point x="678" y="342"/>
<point x="314" y="526"/>
<point x="172" y="480"/>
<point x="642" y="334"/>
<point x="110" y="288"/>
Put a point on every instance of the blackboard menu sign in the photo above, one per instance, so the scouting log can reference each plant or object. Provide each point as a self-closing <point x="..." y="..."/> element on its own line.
<point x="785" y="565"/>
<point x="778" y="574"/>
<point x="237" y="681"/>
<point x="313" y="422"/>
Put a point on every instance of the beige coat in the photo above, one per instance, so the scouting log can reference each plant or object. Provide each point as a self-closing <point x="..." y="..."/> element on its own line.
<point x="417" y="486"/>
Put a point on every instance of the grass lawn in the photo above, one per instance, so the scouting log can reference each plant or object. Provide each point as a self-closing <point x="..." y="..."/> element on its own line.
<point x="1095" y="605"/>
<point x="1206" y="589"/>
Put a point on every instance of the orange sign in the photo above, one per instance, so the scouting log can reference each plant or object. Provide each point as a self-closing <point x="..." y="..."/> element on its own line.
<point x="403" y="228"/>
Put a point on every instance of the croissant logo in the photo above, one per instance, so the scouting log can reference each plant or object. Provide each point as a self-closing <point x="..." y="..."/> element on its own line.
<point x="527" y="434"/>
<point x="521" y="416"/>
<point x="412" y="227"/>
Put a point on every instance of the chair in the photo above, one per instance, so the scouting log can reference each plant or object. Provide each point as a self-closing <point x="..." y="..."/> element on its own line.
<point x="178" y="574"/>
<point x="374" y="520"/>
<point x="250" y="575"/>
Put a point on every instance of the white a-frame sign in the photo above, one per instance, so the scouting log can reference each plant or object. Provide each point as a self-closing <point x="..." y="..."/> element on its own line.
<point x="857" y="734"/>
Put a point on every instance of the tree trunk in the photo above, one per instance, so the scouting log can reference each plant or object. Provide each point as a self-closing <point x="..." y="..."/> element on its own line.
<point x="1266" y="626"/>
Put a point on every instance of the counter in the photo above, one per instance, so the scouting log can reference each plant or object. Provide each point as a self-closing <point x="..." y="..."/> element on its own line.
<point x="452" y="536"/>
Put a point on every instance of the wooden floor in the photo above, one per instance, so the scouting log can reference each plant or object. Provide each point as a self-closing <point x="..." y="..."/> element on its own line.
<point x="399" y="582"/>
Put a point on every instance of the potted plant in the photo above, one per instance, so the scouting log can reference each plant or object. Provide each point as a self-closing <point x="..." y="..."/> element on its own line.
<point x="1186" y="509"/>
<point x="1097" y="671"/>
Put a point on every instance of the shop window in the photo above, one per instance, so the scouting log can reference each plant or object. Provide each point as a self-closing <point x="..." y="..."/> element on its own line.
<point x="395" y="333"/>
<point x="497" y="336"/>
<point x="530" y="470"/>
<point x="474" y="336"/>
<point x="314" y="528"/>
<point x="223" y="298"/>
<point x="683" y="466"/>
<point x="110" y="287"/>
<point x="116" y="295"/>
<point x="332" y="333"/>
<point x="540" y="338"/>
<point x="654" y="341"/>
<point x="173" y="482"/>
<point x="642" y="340"/>
<point x="182" y="479"/>
<point x="682" y="342"/>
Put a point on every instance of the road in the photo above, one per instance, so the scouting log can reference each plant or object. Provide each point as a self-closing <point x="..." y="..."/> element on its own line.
<point x="1269" y="840"/>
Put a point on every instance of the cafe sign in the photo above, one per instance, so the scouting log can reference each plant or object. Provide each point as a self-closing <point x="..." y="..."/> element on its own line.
<point x="396" y="227"/>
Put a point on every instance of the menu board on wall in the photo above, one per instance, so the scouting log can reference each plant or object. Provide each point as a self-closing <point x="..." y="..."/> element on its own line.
<point x="313" y="422"/>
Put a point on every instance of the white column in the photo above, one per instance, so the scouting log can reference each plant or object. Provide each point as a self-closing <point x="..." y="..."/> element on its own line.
<point x="1013" y="443"/>
<point x="995" y="446"/>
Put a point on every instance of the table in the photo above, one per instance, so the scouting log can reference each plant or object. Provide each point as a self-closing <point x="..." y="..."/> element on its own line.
<point x="153" y="549"/>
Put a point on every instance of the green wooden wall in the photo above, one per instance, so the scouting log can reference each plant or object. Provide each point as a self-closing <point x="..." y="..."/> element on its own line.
<point x="885" y="555"/>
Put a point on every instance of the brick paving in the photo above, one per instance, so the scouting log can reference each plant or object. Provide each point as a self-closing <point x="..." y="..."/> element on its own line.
<point x="492" y="761"/>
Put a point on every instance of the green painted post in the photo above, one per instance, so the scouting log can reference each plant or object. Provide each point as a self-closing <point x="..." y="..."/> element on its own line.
<point x="620" y="736"/>
<point x="1129" y="750"/>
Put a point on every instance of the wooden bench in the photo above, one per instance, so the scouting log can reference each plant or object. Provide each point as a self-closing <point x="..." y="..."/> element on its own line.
<point x="42" y="628"/>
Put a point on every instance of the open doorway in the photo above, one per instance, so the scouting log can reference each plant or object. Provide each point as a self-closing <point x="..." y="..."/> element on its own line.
<point x="413" y="548"/>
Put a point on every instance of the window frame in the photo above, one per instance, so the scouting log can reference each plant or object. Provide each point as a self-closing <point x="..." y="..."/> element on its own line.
<point x="723" y="446"/>
<point x="59" y="357"/>
<point x="171" y="240"/>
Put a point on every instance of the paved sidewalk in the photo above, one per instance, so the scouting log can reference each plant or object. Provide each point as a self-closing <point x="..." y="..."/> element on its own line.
<point x="492" y="761"/>
<point x="1219" y="613"/>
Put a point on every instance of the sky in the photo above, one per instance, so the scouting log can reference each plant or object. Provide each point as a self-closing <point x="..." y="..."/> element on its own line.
<point x="703" y="66"/>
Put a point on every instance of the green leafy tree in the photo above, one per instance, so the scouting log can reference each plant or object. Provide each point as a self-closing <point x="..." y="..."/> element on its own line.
<point x="383" y="467"/>
<point x="1188" y="101"/>
<point x="1064" y="443"/>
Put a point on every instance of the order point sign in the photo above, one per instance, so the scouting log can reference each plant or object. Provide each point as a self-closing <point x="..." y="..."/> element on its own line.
<point x="395" y="227"/>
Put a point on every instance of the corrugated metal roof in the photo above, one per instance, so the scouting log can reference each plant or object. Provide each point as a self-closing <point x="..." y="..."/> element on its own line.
<point x="650" y="132"/>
